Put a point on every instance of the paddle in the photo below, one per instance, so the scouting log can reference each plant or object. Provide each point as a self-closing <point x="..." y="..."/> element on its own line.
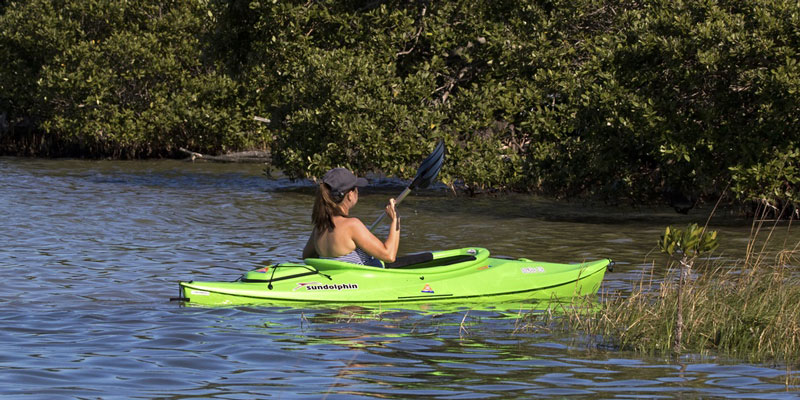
<point x="426" y="173"/>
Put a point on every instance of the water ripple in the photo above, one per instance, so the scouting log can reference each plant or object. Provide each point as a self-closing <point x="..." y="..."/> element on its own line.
<point x="91" y="252"/>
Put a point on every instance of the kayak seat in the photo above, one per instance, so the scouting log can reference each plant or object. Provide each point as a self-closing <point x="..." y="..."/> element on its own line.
<point x="425" y="260"/>
<point x="411" y="259"/>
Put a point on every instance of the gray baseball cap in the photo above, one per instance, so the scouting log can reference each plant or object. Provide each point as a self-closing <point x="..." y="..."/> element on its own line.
<point x="341" y="180"/>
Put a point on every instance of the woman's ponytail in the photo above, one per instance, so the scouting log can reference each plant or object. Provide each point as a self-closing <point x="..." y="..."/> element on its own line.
<point x="325" y="208"/>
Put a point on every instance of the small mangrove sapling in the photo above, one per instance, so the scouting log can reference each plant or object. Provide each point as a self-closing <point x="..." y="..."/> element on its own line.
<point x="685" y="246"/>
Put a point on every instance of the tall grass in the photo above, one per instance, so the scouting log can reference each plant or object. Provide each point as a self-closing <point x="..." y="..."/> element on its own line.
<point x="748" y="310"/>
<point x="747" y="313"/>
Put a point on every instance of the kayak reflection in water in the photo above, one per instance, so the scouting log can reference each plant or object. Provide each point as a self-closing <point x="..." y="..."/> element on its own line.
<point x="338" y="236"/>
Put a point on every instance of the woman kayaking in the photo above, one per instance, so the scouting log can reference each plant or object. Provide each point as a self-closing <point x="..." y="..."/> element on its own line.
<point x="338" y="236"/>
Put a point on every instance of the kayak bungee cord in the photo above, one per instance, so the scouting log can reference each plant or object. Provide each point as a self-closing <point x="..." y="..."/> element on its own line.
<point x="311" y="271"/>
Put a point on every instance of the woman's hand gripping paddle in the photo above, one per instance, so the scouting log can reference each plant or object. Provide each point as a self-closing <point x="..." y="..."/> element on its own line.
<point x="426" y="173"/>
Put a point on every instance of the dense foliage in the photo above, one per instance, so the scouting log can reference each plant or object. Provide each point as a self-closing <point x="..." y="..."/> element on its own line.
<point x="115" y="78"/>
<point x="617" y="98"/>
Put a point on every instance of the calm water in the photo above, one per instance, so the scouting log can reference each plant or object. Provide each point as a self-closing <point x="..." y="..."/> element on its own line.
<point x="91" y="252"/>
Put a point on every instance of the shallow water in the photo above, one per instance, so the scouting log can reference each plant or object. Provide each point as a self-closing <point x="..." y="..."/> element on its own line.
<point x="91" y="252"/>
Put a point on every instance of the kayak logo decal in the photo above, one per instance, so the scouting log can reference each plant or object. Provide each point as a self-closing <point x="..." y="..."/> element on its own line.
<point x="427" y="289"/>
<point x="263" y="270"/>
<point x="533" y="270"/>
<point x="327" y="286"/>
<point x="484" y="267"/>
<point x="304" y="284"/>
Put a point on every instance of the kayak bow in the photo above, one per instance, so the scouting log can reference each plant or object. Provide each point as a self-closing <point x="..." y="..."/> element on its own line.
<point x="460" y="275"/>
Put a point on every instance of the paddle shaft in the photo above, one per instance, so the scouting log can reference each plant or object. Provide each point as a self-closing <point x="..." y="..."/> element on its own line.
<point x="426" y="172"/>
<point x="397" y="201"/>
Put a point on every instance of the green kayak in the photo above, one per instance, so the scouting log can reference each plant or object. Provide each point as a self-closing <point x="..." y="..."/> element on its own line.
<point x="461" y="275"/>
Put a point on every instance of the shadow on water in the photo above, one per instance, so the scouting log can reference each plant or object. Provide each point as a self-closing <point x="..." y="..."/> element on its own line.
<point x="169" y="174"/>
<point x="437" y="199"/>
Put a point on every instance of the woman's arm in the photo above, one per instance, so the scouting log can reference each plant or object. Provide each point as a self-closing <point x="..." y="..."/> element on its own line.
<point x="385" y="251"/>
<point x="310" y="251"/>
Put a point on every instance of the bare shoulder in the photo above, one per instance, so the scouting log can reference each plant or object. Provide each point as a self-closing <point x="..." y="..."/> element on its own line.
<point x="353" y="224"/>
<point x="348" y="224"/>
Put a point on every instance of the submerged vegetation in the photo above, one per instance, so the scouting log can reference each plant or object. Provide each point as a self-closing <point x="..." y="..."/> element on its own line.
<point x="638" y="100"/>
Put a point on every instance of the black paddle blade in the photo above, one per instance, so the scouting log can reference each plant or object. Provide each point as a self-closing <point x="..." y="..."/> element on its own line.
<point x="429" y="168"/>
<point x="430" y="176"/>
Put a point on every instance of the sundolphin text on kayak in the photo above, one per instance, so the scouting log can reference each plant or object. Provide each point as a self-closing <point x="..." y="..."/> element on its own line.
<point x="466" y="274"/>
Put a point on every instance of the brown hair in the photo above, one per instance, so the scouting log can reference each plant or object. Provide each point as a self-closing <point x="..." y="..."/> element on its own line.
<point x="325" y="208"/>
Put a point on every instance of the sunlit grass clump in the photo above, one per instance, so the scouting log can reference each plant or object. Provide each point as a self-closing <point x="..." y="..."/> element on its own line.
<point x="748" y="310"/>
<point x="751" y="312"/>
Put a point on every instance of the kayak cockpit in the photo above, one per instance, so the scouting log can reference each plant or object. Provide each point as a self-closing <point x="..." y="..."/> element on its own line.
<point x="426" y="260"/>
<point x="457" y="258"/>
